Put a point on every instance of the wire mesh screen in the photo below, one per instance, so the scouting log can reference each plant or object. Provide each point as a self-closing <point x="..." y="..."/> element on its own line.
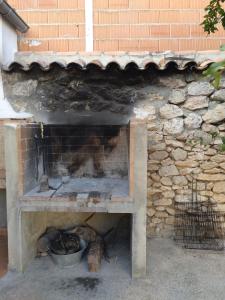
<point x="198" y="224"/>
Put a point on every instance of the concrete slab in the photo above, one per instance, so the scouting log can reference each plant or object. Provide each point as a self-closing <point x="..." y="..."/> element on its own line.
<point x="173" y="273"/>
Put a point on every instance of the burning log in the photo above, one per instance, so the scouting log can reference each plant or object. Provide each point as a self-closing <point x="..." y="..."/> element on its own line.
<point x="95" y="254"/>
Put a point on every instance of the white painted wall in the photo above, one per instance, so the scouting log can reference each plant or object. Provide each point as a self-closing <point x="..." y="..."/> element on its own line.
<point x="8" y="48"/>
<point x="8" y="42"/>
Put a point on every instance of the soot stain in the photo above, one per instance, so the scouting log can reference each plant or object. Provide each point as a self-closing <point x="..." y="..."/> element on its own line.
<point x="87" y="283"/>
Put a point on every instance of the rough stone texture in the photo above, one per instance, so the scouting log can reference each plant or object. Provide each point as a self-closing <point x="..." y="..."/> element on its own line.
<point x="25" y="88"/>
<point x="184" y="127"/>
<point x="194" y="103"/>
<point x="200" y="88"/>
<point x="215" y="115"/>
<point x="174" y="126"/>
<point x="208" y="165"/>
<point x="166" y="181"/>
<point x="163" y="202"/>
<point x="219" y="95"/>
<point x="159" y="155"/>
<point x="168" y="171"/>
<point x="193" y="121"/>
<point x="211" y="177"/>
<point x="177" y="96"/>
<point x="219" y="198"/>
<point x="170" y="111"/>
<point x="180" y="180"/>
<point x="179" y="154"/>
<point x="219" y="187"/>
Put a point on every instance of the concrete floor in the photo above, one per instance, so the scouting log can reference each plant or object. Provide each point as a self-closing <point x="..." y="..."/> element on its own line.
<point x="173" y="274"/>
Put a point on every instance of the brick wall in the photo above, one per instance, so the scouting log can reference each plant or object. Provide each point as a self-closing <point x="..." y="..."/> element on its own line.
<point x="126" y="25"/>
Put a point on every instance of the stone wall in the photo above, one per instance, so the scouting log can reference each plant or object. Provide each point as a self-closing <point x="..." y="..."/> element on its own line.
<point x="186" y="125"/>
<point x="185" y="143"/>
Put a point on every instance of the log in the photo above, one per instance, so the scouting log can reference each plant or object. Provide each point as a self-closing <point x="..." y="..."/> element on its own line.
<point x="95" y="254"/>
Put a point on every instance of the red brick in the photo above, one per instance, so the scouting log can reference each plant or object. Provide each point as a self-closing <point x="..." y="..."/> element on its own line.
<point x="118" y="4"/>
<point x="33" y="32"/>
<point x="27" y="4"/>
<point x="128" y="17"/>
<point x="43" y="46"/>
<point x="101" y="32"/>
<point x="100" y="4"/>
<point x="118" y="31"/>
<point x="180" y="30"/>
<point x="47" y="4"/>
<point x="149" y="45"/>
<point x="59" y="45"/>
<point x="95" y="18"/>
<point x="107" y="45"/>
<point x="168" y="44"/>
<point x="37" y="17"/>
<point x="151" y="16"/>
<point x="76" y="45"/>
<point x="197" y="31"/>
<point x="169" y="16"/>
<point x="68" y="31"/>
<point x="156" y="4"/>
<point x="139" y="31"/>
<point x="66" y="4"/>
<point x="198" y="44"/>
<point x="180" y="4"/>
<point x="81" y="4"/>
<point x="128" y="45"/>
<point x="48" y="31"/>
<point x="108" y="17"/>
<point x="198" y="4"/>
<point x="160" y="30"/>
<point x="139" y="4"/>
<point x="81" y="30"/>
<point x="191" y="16"/>
<point x="57" y="17"/>
<point x="76" y="17"/>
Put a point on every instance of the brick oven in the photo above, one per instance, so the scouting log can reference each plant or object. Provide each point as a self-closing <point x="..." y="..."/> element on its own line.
<point x="103" y="164"/>
<point x="93" y="163"/>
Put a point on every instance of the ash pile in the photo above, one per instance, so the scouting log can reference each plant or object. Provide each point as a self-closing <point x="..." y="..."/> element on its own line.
<point x="199" y="224"/>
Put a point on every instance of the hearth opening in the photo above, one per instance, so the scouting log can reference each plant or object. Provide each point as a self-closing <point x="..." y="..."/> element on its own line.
<point x="71" y="160"/>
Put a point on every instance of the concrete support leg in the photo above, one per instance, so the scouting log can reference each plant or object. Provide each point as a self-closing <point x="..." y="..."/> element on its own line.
<point x="13" y="193"/>
<point x="139" y="244"/>
<point x="138" y="179"/>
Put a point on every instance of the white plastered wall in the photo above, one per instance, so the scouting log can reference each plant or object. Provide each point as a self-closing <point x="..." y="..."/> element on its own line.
<point x="8" y="48"/>
<point x="8" y="42"/>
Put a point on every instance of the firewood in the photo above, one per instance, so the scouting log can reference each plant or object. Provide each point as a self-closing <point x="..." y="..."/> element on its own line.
<point x="95" y="254"/>
<point x="85" y="233"/>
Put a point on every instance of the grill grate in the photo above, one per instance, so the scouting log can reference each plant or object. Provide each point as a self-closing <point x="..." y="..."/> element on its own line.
<point x="198" y="224"/>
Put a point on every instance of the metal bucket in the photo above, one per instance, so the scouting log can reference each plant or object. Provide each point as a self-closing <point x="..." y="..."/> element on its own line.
<point x="69" y="259"/>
